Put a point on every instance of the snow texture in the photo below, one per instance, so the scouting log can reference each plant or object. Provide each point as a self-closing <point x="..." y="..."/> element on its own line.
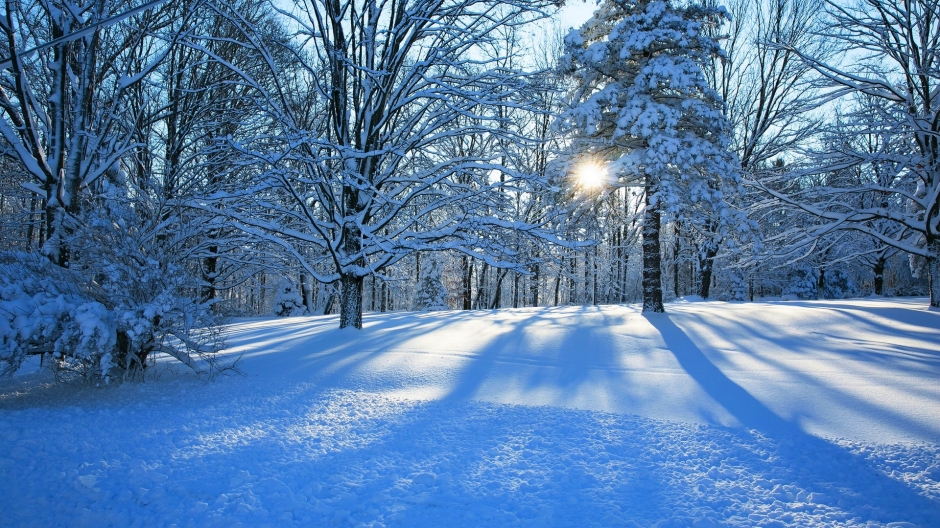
<point x="818" y="413"/>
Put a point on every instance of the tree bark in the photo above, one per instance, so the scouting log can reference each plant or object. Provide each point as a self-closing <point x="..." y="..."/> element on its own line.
<point x="351" y="301"/>
<point x="705" y="264"/>
<point x="500" y="275"/>
<point x="209" y="273"/>
<point x="652" y="259"/>
<point x="933" y="270"/>
<point x="534" y="284"/>
<point x="675" y="260"/>
<point x="821" y="284"/>
<point x="879" y="270"/>
<point x="468" y="283"/>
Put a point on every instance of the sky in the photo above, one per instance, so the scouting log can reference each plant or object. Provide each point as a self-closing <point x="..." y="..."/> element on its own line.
<point x="576" y="12"/>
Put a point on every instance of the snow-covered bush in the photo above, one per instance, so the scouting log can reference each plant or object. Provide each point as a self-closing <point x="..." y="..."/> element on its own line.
<point x="125" y="294"/>
<point x="839" y="285"/>
<point x="431" y="295"/>
<point x="43" y="310"/>
<point x="738" y="285"/>
<point x="288" y="302"/>
<point x="802" y="283"/>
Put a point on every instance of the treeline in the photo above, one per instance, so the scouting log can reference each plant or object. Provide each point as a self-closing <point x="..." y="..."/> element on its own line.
<point x="164" y="164"/>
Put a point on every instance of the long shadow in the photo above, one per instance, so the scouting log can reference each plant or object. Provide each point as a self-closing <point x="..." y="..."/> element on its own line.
<point x="915" y="361"/>
<point x="744" y="407"/>
<point x="850" y="474"/>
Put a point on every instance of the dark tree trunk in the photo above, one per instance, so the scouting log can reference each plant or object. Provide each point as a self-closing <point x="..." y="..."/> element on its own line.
<point x="535" y="285"/>
<point x="350" y="312"/>
<point x="675" y="261"/>
<point x="879" y="270"/>
<point x="820" y="283"/>
<point x="468" y="283"/>
<point x="557" y="287"/>
<point x="209" y="273"/>
<point x="480" y="301"/>
<point x="384" y="298"/>
<point x="500" y="275"/>
<point x="572" y="282"/>
<point x="595" y="294"/>
<point x="933" y="270"/>
<point x="705" y="264"/>
<point x="304" y="291"/>
<point x="652" y="258"/>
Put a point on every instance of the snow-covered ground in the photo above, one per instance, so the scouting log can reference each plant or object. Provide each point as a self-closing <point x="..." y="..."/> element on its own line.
<point x="755" y="414"/>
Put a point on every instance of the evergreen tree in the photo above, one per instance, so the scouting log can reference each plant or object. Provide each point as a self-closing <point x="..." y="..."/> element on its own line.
<point x="288" y="302"/>
<point x="431" y="294"/>
<point x="641" y="101"/>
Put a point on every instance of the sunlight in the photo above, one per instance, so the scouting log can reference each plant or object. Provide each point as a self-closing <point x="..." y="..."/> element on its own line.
<point x="591" y="174"/>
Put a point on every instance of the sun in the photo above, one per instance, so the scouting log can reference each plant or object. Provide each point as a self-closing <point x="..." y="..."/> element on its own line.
<point x="591" y="175"/>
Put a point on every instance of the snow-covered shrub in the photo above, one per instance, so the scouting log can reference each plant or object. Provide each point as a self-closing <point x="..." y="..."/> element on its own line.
<point x="288" y="302"/>
<point x="431" y="295"/>
<point x="125" y="294"/>
<point x="738" y="286"/>
<point x="839" y="285"/>
<point x="802" y="283"/>
<point x="43" y="310"/>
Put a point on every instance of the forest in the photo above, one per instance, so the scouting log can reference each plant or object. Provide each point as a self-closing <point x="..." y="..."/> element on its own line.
<point x="168" y="165"/>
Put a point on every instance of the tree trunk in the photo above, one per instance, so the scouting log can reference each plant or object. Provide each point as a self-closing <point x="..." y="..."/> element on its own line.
<point x="652" y="259"/>
<point x="468" y="283"/>
<point x="209" y="273"/>
<point x="384" y="298"/>
<point x="534" y="285"/>
<point x="705" y="264"/>
<point x="480" y="301"/>
<point x="500" y="275"/>
<point x="304" y="291"/>
<point x="350" y="312"/>
<point x="572" y="281"/>
<point x="557" y="287"/>
<point x="821" y="283"/>
<point x="879" y="271"/>
<point x="675" y="261"/>
<point x="933" y="270"/>
<point x="595" y="293"/>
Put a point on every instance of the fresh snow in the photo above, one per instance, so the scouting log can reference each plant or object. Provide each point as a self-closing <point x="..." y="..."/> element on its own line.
<point x="807" y="413"/>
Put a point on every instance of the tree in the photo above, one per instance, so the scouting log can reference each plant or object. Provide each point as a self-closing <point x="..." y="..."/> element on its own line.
<point x="769" y="99"/>
<point x="358" y="168"/>
<point x="76" y="118"/>
<point x="642" y="101"/>
<point x="65" y="108"/>
<point x="894" y="78"/>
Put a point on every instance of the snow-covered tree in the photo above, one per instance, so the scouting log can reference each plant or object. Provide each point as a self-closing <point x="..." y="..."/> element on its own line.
<point x="359" y="174"/>
<point x="66" y="113"/>
<point x="643" y="102"/>
<point x="430" y="294"/>
<point x="125" y="295"/>
<point x="890" y="68"/>
<point x="288" y="302"/>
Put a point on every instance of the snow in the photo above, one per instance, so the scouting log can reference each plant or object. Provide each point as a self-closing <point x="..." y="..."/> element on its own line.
<point x="799" y="413"/>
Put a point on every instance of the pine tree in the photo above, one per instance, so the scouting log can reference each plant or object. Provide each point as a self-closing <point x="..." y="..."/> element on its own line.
<point x="288" y="302"/>
<point x="642" y="102"/>
<point x="431" y="295"/>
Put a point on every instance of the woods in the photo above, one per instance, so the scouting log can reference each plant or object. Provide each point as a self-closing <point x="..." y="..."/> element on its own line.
<point x="164" y="165"/>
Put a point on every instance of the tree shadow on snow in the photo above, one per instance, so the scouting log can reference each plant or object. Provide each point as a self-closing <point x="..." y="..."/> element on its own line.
<point x="845" y="477"/>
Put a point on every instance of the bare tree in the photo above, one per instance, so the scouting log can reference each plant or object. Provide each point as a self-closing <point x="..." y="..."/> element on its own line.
<point x="891" y="58"/>
<point x="359" y="168"/>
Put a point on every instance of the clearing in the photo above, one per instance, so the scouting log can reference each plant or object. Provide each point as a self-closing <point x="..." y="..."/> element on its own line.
<point x="822" y="413"/>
